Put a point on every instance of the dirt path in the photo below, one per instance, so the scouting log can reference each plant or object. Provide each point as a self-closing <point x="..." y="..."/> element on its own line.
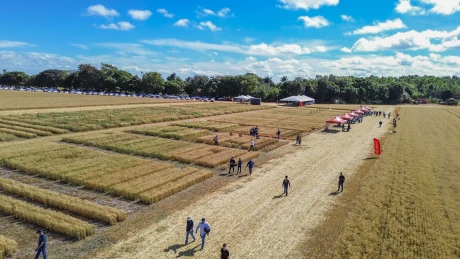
<point x="250" y="215"/>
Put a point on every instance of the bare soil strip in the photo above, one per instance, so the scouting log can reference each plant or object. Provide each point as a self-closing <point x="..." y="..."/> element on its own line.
<point x="250" y="215"/>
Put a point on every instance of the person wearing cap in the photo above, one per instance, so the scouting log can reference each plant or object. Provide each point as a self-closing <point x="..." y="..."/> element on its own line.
<point x="204" y="228"/>
<point x="41" y="244"/>
<point x="341" y="181"/>
<point x="189" y="230"/>
<point x="224" y="253"/>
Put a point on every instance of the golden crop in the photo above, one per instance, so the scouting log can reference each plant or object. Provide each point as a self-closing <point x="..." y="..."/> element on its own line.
<point x="63" y="202"/>
<point x="7" y="246"/>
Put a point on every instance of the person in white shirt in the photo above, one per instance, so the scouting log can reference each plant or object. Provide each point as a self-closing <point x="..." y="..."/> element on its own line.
<point x="204" y="228"/>
<point x="252" y="145"/>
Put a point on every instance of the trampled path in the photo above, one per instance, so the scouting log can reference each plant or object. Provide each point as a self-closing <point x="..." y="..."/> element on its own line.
<point x="250" y="215"/>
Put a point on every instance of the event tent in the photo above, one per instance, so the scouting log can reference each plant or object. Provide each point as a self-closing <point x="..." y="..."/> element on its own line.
<point x="336" y="120"/>
<point x="244" y="97"/>
<point x="352" y="114"/>
<point x="346" y="117"/>
<point x="298" y="99"/>
<point x="359" y="112"/>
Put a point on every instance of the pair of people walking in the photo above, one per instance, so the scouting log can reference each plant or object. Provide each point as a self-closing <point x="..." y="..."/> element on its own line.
<point x="204" y="228"/>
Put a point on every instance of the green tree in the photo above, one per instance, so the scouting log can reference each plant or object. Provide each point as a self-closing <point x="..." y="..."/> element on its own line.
<point x="152" y="83"/>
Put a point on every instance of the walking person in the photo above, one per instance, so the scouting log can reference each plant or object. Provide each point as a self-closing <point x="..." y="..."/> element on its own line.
<point x="394" y="122"/>
<point x="297" y="139"/>
<point x="189" y="230"/>
<point x="231" y="165"/>
<point x="300" y="139"/>
<point x="278" y="133"/>
<point x="240" y="164"/>
<point x="250" y="165"/>
<point x="341" y="181"/>
<point x="41" y="249"/>
<point x="252" y="144"/>
<point x="380" y="124"/>
<point x="216" y="140"/>
<point x="224" y="253"/>
<point x="286" y="185"/>
<point x="204" y="228"/>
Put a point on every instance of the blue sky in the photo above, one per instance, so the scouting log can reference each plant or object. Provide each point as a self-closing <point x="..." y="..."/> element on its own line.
<point x="268" y="37"/>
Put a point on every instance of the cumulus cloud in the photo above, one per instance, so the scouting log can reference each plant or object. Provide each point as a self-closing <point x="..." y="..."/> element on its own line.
<point x="139" y="14"/>
<point x="347" y="18"/>
<point x="442" y="7"/>
<point x="315" y="22"/>
<point x="262" y="49"/>
<point x="165" y="13"/>
<point x="346" y="50"/>
<point x="100" y="10"/>
<point x="126" y="48"/>
<point x="182" y="23"/>
<point x="209" y="25"/>
<point x="379" y="27"/>
<point x="120" y="26"/>
<point x="306" y="4"/>
<point x="203" y="12"/>
<point x="14" y="44"/>
<point x="412" y="40"/>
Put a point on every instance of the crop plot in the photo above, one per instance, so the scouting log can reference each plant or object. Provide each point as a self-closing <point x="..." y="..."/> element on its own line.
<point x="165" y="149"/>
<point x="7" y="246"/>
<point x="174" y="132"/>
<point x="209" y="125"/>
<point x="112" y="118"/>
<point x="12" y="130"/>
<point x="97" y="170"/>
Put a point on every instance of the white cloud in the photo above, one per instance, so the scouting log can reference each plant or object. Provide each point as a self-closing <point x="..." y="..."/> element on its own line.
<point x="262" y="49"/>
<point x="139" y="14"/>
<point x="412" y="40"/>
<point x="81" y="46"/>
<point x="307" y="4"/>
<point x="34" y="62"/>
<point x="14" y="44"/>
<point x="442" y="7"/>
<point x="346" y="50"/>
<point x="203" y="12"/>
<point x="380" y="27"/>
<point x="182" y="23"/>
<point x="347" y="18"/>
<point x="321" y="48"/>
<point x="120" y="26"/>
<point x="405" y="6"/>
<point x="315" y="22"/>
<point x="100" y="10"/>
<point x="212" y="27"/>
<point x="125" y="48"/>
<point x="165" y="13"/>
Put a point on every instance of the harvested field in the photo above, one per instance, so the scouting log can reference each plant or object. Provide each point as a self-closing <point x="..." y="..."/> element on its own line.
<point x="18" y="100"/>
<point x="103" y="119"/>
<point x="408" y="203"/>
<point x="63" y="202"/>
<point x="165" y="149"/>
<point x="45" y="218"/>
<point x="93" y="169"/>
<point x="7" y="246"/>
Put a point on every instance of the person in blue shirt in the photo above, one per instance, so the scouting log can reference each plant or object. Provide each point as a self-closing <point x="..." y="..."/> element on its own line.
<point x="41" y="244"/>
<point x="240" y="163"/>
<point x="189" y="230"/>
<point x="250" y="165"/>
<point x="231" y="165"/>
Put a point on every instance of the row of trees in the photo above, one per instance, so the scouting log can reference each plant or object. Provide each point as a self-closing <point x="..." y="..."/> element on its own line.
<point x="324" y="89"/>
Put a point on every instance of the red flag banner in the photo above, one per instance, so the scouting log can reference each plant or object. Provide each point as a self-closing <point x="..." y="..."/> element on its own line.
<point x="377" y="146"/>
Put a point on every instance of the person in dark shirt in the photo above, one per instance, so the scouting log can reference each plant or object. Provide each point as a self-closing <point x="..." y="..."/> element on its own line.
<point x="286" y="185"/>
<point x="231" y="165"/>
<point x="224" y="253"/>
<point x="278" y="133"/>
<point x="348" y="128"/>
<point x="240" y="164"/>
<point x="41" y="244"/>
<point x="341" y="181"/>
<point x="250" y="165"/>
<point x="216" y="140"/>
<point x="380" y="124"/>
<point x="189" y="230"/>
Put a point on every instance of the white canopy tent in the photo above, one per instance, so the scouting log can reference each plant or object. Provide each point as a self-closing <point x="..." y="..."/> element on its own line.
<point x="243" y="97"/>
<point x="298" y="99"/>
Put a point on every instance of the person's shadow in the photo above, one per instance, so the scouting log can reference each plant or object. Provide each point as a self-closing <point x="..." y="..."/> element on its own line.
<point x="189" y="252"/>
<point x="333" y="193"/>
<point x="174" y="248"/>
<point x="278" y="196"/>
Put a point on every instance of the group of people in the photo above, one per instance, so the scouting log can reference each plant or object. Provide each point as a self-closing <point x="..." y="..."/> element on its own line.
<point x="250" y="165"/>
<point x="254" y="131"/>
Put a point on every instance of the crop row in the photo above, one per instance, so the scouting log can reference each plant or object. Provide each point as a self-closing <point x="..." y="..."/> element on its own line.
<point x="174" y="132"/>
<point x="165" y="149"/>
<point x="46" y="218"/>
<point x="7" y="246"/>
<point x="7" y="137"/>
<point x="32" y="126"/>
<point x="235" y="141"/>
<point x="63" y="202"/>
<point x="209" y="125"/>
<point x="100" y="119"/>
<point x="112" y="173"/>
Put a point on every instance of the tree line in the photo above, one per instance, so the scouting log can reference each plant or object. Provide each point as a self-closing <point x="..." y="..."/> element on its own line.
<point x="325" y="89"/>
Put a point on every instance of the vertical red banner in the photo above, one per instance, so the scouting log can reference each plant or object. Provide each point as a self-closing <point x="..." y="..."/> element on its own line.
<point x="377" y="146"/>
